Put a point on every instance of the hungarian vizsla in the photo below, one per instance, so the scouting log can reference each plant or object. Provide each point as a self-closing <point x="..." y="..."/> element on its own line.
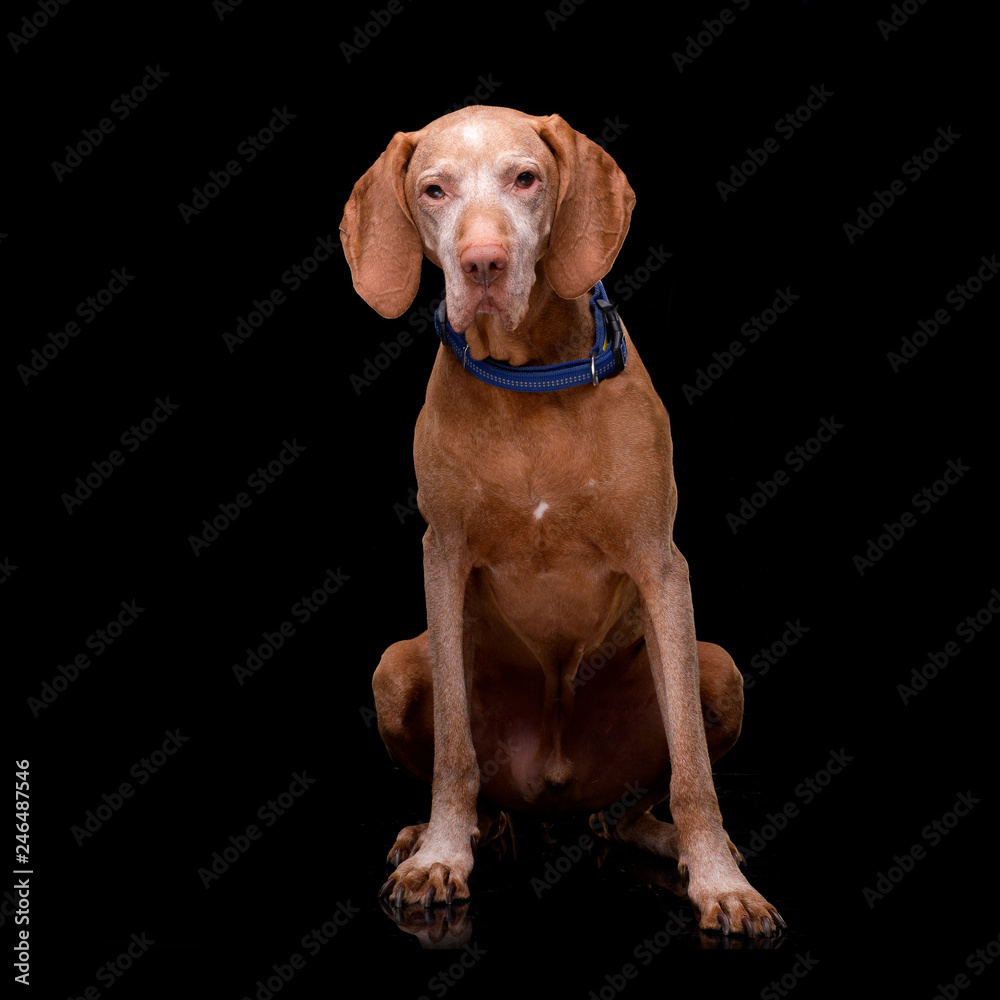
<point x="559" y="672"/>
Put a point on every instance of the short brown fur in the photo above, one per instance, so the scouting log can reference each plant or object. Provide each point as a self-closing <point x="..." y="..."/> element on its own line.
<point x="549" y="542"/>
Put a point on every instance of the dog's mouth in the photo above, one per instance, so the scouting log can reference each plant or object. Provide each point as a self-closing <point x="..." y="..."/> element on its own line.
<point x="478" y="302"/>
<point x="487" y="303"/>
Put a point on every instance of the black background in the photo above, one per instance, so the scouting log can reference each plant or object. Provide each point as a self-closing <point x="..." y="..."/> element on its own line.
<point x="610" y="70"/>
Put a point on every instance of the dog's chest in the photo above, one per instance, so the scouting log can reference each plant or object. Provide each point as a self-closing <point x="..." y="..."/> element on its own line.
<point x="534" y="489"/>
<point x="531" y="512"/>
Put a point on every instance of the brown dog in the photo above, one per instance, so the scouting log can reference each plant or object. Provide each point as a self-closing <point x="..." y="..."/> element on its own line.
<point x="560" y="662"/>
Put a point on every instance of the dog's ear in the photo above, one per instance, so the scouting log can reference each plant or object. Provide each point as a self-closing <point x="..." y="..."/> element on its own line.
<point x="592" y="214"/>
<point x="380" y="241"/>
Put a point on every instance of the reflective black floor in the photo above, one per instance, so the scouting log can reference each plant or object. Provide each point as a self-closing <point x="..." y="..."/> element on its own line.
<point x="564" y="867"/>
<point x="599" y="917"/>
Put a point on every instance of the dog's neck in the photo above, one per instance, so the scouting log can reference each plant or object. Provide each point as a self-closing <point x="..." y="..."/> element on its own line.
<point x="553" y="330"/>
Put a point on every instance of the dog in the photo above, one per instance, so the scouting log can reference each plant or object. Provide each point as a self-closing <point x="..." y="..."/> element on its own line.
<point x="544" y="469"/>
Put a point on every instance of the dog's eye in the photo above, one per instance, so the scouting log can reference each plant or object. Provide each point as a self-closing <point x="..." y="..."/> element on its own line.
<point x="434" y="192"/>
<point x="525" y="180"/>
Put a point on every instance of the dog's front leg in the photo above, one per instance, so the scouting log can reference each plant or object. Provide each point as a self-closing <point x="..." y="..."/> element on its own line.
<point x="439" y="870"/>
<point x="721" y="895"/>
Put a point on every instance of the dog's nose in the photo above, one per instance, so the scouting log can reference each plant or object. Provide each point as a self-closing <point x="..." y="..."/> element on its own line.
<point x="482" y="262"/>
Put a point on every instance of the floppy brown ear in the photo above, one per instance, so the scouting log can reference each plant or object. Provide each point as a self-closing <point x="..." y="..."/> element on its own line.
<point x="593" y="210"/>
<point x="379" y="238"/>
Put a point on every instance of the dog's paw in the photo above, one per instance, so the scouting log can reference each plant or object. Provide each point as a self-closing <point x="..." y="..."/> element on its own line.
<point x="430" y="877"/>
<point x="407" y="843"/>
<point x="724" y="900"/>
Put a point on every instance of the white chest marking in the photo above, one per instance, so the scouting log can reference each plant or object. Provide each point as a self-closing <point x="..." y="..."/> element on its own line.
<point x="540" y="510"/>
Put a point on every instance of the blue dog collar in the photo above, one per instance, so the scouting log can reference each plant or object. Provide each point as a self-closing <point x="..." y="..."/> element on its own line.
<point x="606" y="359"/>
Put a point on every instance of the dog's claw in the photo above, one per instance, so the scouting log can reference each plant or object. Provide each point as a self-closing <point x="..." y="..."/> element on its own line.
<point x="724" y="923"/>
<point x="386" y="888"/>
<point x="748" y="927"/>
<point x="429" y="898"/>
<point x="598" y="825"/>
<point x="449" y="893"/>
<point x="766" y="926"/>
<point x="777" y="919"/>
<point x="397" y="858"/>
<point x="398" y="901"/>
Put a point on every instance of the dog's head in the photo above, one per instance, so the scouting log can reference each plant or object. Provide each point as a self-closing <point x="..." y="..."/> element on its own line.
<point x="486" y="193"/>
